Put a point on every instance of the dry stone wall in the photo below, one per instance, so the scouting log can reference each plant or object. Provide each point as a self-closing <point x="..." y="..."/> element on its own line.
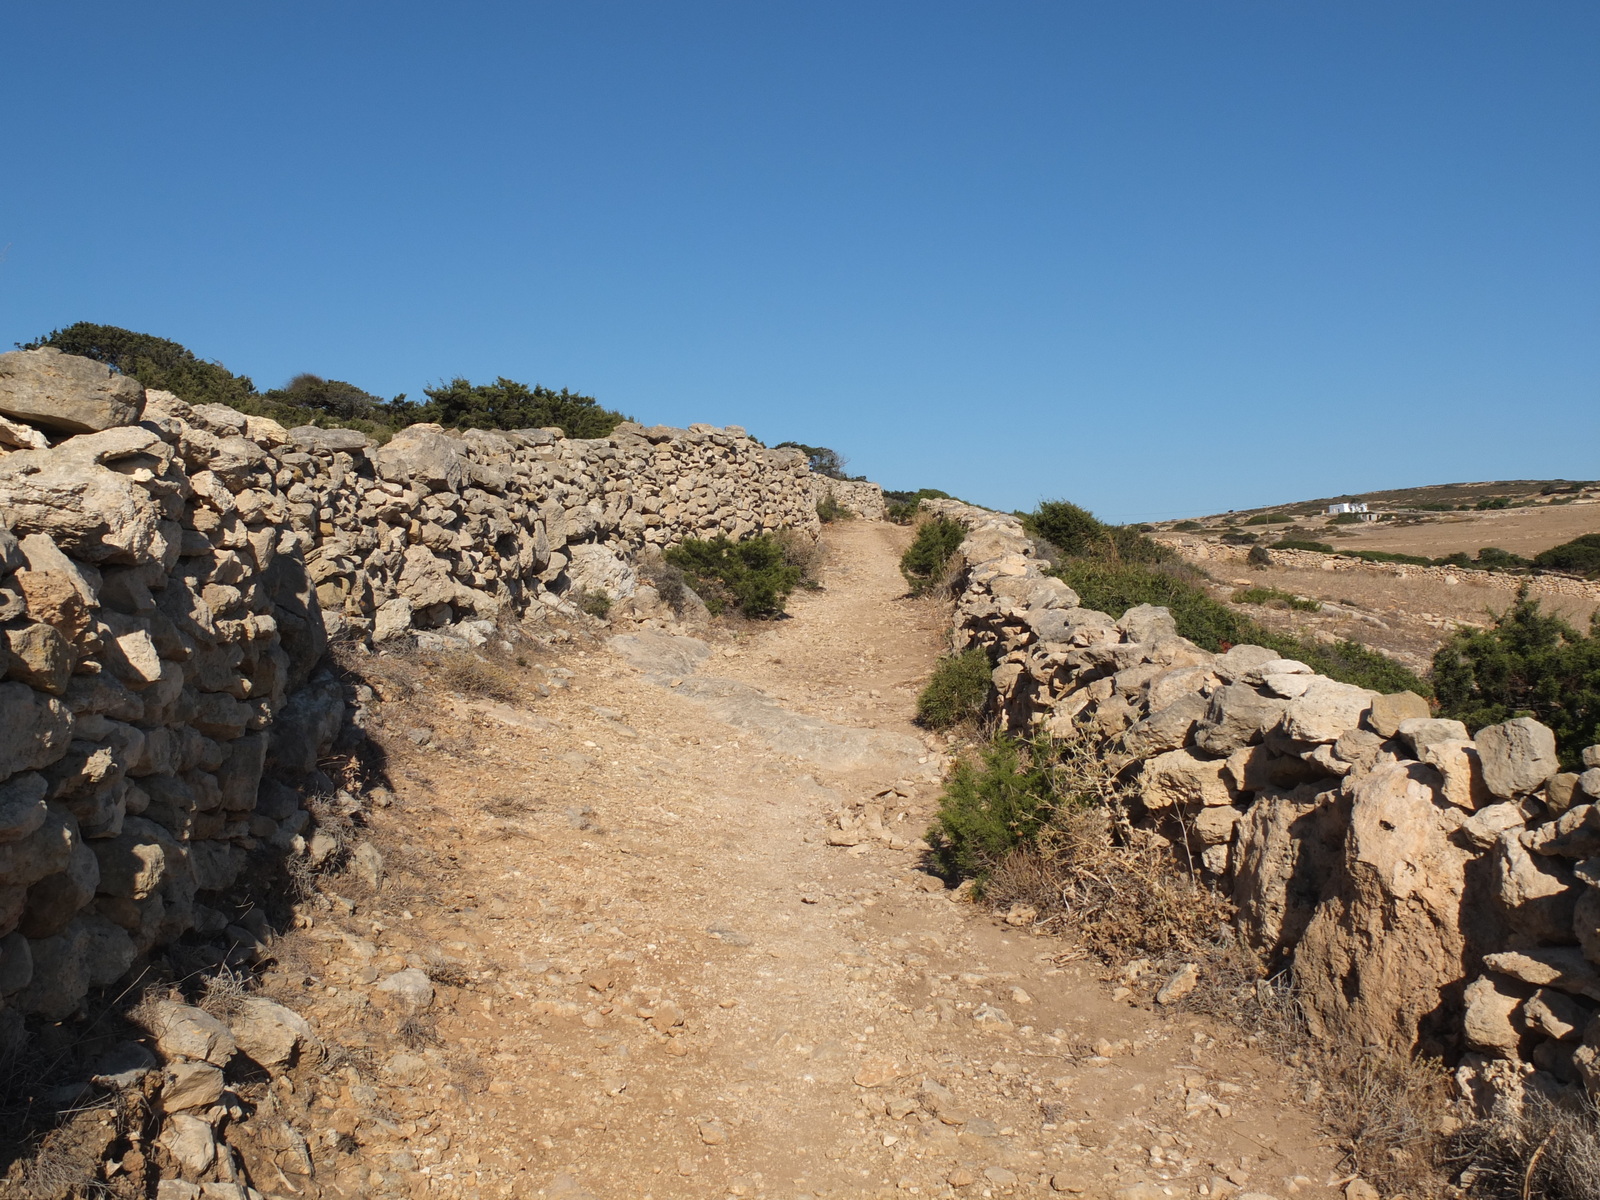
<point x="1430" y="890"/>
<point x="170" y="577"/>
<point x="864" y="499"/>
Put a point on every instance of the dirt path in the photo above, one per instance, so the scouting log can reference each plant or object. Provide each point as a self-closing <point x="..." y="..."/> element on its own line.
<point x="655" y="978"/>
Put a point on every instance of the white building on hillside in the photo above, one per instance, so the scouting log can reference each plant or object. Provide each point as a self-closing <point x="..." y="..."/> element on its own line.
<point x="1357" y="509"/>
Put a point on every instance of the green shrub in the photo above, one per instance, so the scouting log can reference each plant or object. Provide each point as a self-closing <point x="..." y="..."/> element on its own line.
<point x="751" y="575"/>
<point x="596" y="604"/>
<point x="830" y="510"/>
<point x="1188" y="526"/>
<point x="1493" y="502"/>
<point x="507" y="404"/>
<point x="1527" y="664"/>
<point x="1495" y="559"/>
<point x="1077" y="533"/>
<point x="902" y="507"/>
<point x="958" y="690"/>
<point x="1275" y="598"/>
<point x="1276" y="518"/>
<point x="1240" y="539"/>
<point x="1346" y="519"/>
<point x="1302" y="544"/>
<point x="936" y="542"/>
<point x="1259" y="556"/>
<point x="989" y="808"/>
<point x="1581" y="556"/>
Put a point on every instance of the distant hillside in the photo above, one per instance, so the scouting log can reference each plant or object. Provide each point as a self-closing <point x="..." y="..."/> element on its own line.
<point x="1520" y="516"/>
<point x="1435" y="497"/>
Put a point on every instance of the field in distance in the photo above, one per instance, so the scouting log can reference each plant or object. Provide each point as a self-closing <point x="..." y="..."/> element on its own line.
<point x="1522" y="516"/>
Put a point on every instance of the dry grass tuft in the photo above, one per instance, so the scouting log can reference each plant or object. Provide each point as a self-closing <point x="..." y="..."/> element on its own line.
<point x="222" y="992"/>
<point x="807" y="553"/>
<point x="1123" y="897"/>
<point x="478" y="673"/>
<point x="1547" y="1150"/>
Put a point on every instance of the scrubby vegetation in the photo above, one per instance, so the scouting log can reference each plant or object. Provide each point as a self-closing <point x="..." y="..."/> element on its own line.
<point x="1116" y="568"/>
<point x="312" y="400"/>
<point x="1528" y="664"/>
<point x="1581" y="556"/>
<point x="1302" y="544"/>
<point x="752" y="576"/>
<point x="957" y="691"/>
<point x="991" y="806"/>
<point x="830" y="510"/>
<point x="822" y="460"/>
<point x="1276" y="598"/>
<point x="930" y="552"/>
<point x="1276" y="518"/>
<point x="902" y="507"/>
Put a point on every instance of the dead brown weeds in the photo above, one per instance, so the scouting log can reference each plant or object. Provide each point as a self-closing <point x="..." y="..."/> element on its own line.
<point x="1548" y="1149"/>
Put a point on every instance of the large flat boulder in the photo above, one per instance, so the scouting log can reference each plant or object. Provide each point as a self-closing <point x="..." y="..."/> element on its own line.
<point x="65" y="392"/>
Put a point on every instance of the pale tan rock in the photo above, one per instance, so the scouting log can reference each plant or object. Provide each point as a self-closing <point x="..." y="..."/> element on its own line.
<point x="191" y="1143"/>
<point x="267" y="1032"/>
<point x="1290" y="847"/>
<point x="1182" y="981"/>
<point x="1537" y="892"/>
<point x="191" y="1085"/>
<point x="1388" y="712"/>
<point x="1518" y="756"/>
<point x="1458" y="762"/>
<point x="1563" y="967"/>
<point x="1181" y="779"/>
<point x="1487" y="1021"/>
<point x="1556" y="1015"/>
<point x="1327" y="710"/>
<point x="1386" y="943"/>
<point x="183" y="1031"/>
<point x="66" y="392"/>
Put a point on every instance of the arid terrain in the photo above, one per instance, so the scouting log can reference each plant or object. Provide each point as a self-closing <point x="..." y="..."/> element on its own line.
<point x="660" y="968"/>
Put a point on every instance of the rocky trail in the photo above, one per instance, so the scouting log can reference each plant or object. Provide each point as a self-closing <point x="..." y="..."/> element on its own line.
<point x="644" y="960"/>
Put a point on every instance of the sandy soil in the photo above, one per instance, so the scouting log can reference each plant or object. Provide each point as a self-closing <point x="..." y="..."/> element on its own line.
<point x="1524" y="531"/>
<point x="655" y="977"/>
<point x="1405" y="614"/>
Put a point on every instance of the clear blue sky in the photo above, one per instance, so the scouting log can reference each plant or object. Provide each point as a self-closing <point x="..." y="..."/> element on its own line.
<point x="1159" y="258"/>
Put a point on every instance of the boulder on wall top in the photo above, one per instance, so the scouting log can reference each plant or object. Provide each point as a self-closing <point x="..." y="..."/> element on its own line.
<point x="66" y="393"/>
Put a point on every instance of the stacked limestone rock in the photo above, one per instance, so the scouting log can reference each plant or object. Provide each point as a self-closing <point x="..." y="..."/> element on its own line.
<point x="169" y="576"/>
<point x="858" y="496"/>
<point x="1430" y="890"/>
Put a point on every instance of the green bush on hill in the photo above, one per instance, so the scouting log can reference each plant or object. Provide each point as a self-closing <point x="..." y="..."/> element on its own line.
<point x="1277" y="518"/>
<point x="1302" y="544"/>
<point x="312" y="400"/>
<point x="1528" y="664"/>
<point x="936" y="542"/>
<point x="1077" y="533"/>
<point x="752" y="576"/>
<point x="507" y="404"/>
<point x="1581" y="556"/>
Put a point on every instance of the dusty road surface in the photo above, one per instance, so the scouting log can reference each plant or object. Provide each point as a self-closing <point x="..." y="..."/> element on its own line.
<point x="653" y="976"/>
